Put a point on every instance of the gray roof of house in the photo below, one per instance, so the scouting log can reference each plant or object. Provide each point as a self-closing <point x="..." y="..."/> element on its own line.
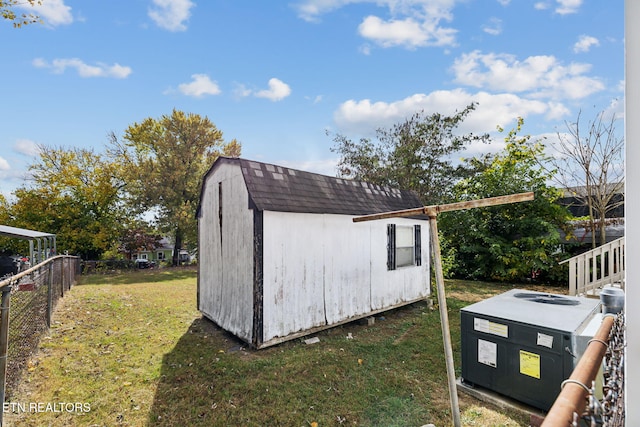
<point x="610" y="188"/>
<point x="282" y="189"/>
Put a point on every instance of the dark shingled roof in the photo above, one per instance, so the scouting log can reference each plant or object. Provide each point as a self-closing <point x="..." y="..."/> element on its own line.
<point x="282" y="189"/>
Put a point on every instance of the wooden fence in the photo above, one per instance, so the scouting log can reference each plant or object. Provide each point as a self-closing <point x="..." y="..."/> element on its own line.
<point x="600" y="267"/>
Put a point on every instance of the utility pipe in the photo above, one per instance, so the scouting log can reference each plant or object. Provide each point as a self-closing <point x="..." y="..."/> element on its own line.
<point x="572" y="397"/>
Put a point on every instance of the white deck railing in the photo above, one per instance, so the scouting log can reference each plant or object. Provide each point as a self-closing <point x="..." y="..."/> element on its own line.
<point x="602" y="266"/>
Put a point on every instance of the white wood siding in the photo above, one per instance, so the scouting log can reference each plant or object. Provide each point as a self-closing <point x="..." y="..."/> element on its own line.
<point x="323" y="269"/>
<point x="226" y="256"/>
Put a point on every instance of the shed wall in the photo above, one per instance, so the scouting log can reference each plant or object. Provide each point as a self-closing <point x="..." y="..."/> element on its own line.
<point x="320" y="270"/>
<point x="390" y="288"/>
<point x="226" y="252"/>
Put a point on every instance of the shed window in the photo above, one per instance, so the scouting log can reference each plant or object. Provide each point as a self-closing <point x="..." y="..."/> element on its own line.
<point x="403" y="246"/>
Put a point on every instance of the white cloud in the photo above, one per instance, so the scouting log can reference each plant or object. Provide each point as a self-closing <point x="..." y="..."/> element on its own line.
<point x="171" y="14"/>
<point x="59" y="66"/>
<point x="410" y="23"/>
<point x="584" y="43"/>
<point x="566" y="7"/>
<point x="27" y="147"/>
<point x="241" y="91"/>
<point x="563" y="7"/>
<point x="363" y="117"/>
<point x="365" y="49"/>
<point x="405" y="32"/>
<point x="540" y="76"/>
<point x="52" y="12"/>
<point x="557" y="111"/>
<point x="310" y="10"/>
<point x="200" y="85"/>
<point x="615" y="110"/>
<point x="4" y="165"/>
<point x="314" y="100"/>
<point x="278" y="90"/>
<point x="494" y="27"/>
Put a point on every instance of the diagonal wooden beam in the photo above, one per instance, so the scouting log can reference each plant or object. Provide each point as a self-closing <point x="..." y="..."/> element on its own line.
<point x="434" y="210"/>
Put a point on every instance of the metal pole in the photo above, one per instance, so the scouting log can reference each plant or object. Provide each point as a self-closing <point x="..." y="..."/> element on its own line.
<point x="50" y="294"/>
<point x="62" y="276"/>
<point x="444" y="320"/>
<point x="4" y="342"/>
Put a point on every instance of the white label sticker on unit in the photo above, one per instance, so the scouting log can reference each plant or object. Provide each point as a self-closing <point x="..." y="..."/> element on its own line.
<point x="545" y="340"/>
<point x="483" y="325"/>
<point x="487" y="353"/>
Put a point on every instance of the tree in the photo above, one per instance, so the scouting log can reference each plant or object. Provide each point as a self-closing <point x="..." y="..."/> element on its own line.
<point x="591" y="168"/>
<point x="7" y="243"/>
<point x="75" y="194"/>
<point x="138" y="237"/>
<point x="413" y="155"/>
<point x="165" y="160"/>
<point x="7" y="10"/>
<point x="508" y="242"/>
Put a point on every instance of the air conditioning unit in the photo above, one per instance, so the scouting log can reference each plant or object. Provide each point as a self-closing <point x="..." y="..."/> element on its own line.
<point x="523" y="344"/>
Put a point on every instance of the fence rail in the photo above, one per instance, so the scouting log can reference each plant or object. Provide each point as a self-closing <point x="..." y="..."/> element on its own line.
<point x="599" y="267"/>
<point x="30" y="298"/>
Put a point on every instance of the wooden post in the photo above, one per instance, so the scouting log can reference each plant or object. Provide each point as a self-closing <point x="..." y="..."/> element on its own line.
<point x="444" y="320"/>
<point x="432" y="212"/>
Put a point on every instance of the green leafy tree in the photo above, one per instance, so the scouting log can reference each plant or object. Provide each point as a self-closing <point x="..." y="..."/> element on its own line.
<point x="415" y="154"/>
<point x="8" y="244"/>
<point x="165" y="160"/>
<point x="508" y="242"/>
<point x="75" y="194"/>
<point x="7" y="10"/>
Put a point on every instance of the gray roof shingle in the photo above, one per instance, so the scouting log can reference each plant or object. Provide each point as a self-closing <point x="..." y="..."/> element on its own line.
<point x="282" y="189"/>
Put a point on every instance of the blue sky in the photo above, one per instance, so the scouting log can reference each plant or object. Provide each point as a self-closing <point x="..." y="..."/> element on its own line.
<point x="278" y="75"/>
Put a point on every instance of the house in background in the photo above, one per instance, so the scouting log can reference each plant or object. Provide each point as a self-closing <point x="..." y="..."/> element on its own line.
<point x="573" y="199"/>
<point x="280" y="257"/>
<point x="164" y="253"/>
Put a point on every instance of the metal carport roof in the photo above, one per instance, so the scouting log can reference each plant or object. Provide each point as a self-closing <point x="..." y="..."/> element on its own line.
<point x="22" y="233"/>
<point x="42" y="252"/>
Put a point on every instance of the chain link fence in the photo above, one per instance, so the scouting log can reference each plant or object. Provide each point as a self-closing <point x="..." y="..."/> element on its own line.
<point x="609" y="410"/>
<point x="32" y="297"/>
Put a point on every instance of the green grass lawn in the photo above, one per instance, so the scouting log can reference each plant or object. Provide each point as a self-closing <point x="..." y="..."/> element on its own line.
<point x="133" y="349"/>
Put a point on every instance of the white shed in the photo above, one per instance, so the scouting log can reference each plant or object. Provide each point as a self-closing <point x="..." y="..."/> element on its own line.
<point x="280" y="257"/>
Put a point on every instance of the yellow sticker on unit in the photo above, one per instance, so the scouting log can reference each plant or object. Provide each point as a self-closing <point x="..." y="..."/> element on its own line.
<point x="530" y="364"/>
